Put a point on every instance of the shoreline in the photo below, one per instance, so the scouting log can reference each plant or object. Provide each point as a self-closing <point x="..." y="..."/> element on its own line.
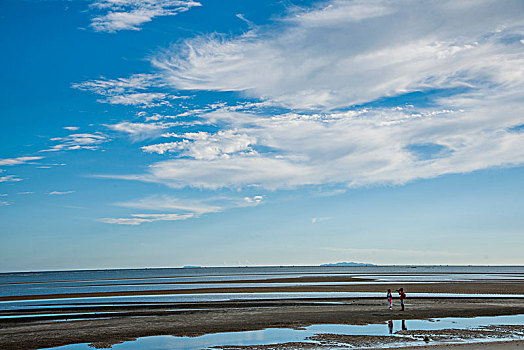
<point x="103" y="323"/>
<point x="233" y="317"/>
<point x="502" y="345"/>
<point x="485" y="287"/>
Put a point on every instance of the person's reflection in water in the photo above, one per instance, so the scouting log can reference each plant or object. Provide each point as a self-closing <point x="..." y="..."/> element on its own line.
<point x="390" y="326"/>
<point x="404" y="328"/>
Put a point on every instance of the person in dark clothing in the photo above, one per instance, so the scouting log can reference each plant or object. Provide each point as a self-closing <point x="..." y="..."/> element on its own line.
<point x="402" y="297"/>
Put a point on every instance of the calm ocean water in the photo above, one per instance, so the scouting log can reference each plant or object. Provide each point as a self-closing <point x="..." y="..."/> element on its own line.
<point x="226" y="273"/>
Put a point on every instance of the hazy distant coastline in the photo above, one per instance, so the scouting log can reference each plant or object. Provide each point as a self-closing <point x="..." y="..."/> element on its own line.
<point x="347" y="264"/>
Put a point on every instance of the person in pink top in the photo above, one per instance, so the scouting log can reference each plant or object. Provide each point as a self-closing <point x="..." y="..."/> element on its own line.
<point x="389" y="297"/>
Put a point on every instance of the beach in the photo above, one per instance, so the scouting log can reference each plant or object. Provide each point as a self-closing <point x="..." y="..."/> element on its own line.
<point x="50" y="320"/>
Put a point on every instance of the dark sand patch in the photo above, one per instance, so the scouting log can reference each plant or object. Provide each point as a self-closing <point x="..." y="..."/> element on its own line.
<point x="478" y="287"/>
<point x="237" y="316"/>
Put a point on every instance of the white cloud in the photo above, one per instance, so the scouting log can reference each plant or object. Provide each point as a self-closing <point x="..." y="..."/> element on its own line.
<point x="4" y="203"/>
<point x="356" y="147"/>
<point x="203" y="145"/>
<point x="71" y="128"/>
<point x="48" y="166"/>
<point x="58" y="193"/>
<point x="336" y="13"/>
<point x="243" y="18"/>
<point x="185" y="209"/>
<point x="124" y="221"/>
<point x="329" y="57"/>
<point x="179" y="209"/>
<point x="322" y="61"/>
<point x="138" y="219"/>
<point x="132" y="91"/>
<point x="112" y="87"/>
<point x="18" y="160"/>
<point x="77" y="142"/>
<point x="131" y="14"/>
<point x="255" y="200"/>
<point x="162" y="148"/>
<point x="9" y="178"/>
<point x="234" y="171"/>
<point x="167" y="203"/>
<point x="316" y="220"/>
<point x="143" y="99"/>
<point x="140" y="131"/>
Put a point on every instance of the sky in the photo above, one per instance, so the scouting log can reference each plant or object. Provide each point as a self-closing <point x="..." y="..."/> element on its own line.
<point x="165" y="133"/>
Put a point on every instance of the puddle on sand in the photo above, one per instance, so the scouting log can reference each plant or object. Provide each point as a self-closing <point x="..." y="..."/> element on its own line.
<point x="285" y="335"/>
<point x="217" y="297"/>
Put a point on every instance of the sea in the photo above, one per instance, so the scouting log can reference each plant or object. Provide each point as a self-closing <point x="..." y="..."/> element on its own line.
<point x="52" y="289"/>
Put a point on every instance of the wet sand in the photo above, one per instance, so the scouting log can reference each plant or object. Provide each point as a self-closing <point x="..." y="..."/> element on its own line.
<point x="364" y="342"/>
<point x="193" y="319"/>
<point x="512" y="345"/>
<point x="478" y="287"/>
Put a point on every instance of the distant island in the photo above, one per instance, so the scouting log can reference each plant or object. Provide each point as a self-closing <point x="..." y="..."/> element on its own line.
<point x="348" y="264"/>
<point x="192" y="267"/>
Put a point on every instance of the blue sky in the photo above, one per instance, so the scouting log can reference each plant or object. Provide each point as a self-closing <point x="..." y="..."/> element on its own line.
<point x="165" y="133"/>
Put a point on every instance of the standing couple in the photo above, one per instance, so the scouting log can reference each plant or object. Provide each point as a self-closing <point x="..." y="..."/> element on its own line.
<point x="390" y="298"/>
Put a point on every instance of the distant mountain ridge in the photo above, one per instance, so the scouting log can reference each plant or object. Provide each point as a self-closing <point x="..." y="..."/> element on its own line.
<point x="348" y="264"/>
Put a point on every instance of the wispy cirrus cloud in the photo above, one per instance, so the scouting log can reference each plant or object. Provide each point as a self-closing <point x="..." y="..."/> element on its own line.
<point x="77" y="142"/>
<point x="178" y="209"/>
<point x="18" y="160"/>
<point x="118" y="15"/>
<point x="184" y="209"/>
<point x="142" y="99"/>
<point x="137" y="90"/>
<point x="321" y="219"/>
<point x="470" y="72"/>
<point x="303" y="127"/>
<point x="140" y="131"/>
<point x="357" y="148"/>
<point x="443" y="46"/>
<point x="163" y="203"/>
<point x="9" y="178"/>
<point x="59" y="193"/>
<point x="138" y="219"/>
<point x="112" y="87"/>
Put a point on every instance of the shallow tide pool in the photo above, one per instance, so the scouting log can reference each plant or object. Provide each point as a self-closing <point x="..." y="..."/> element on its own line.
<point x="284" y="335"/>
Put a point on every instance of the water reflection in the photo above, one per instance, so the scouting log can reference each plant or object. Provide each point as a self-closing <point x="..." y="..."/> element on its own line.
<point x="283" y="335"/>
<point x="390" y="326"/>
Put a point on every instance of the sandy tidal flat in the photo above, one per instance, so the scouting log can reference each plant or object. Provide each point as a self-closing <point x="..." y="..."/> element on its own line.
<point x="34" y="321"/>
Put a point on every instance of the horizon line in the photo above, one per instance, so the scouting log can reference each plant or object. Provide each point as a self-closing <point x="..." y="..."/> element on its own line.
<point x="187" y="267"/>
